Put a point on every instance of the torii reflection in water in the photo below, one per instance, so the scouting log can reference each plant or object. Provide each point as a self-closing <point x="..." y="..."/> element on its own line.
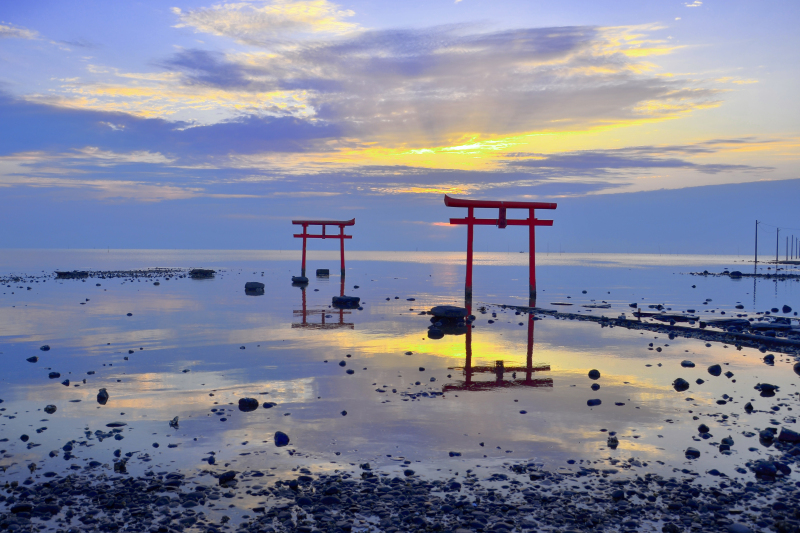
<point x="499" y="369"/>
<point x="304" y="313"/>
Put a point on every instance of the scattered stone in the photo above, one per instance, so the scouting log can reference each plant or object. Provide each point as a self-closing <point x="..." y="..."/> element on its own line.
<point x="45" y="348"/>
<point x="102" y="397"/>
<point x="687" y="364"/>
<point x="715" y="370"/>
<point x="345" y="302"/>
<point x="281" y="439"/>
<point x="594" y="374"/>
<point x="248" y="404"/>
<point x="593" y="403"/>
<point x="680" y="385"/>
<point x="201" y="273"/>
<point x="50" y="409"/>
<point x="33" y="359"/>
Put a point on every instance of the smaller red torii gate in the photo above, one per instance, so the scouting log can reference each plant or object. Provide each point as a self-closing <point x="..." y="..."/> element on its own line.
<point x="341" y="236"/>
<point x="501" y="222"/>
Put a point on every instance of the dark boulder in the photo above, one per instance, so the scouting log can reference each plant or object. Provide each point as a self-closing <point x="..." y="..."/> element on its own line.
<point x="593" y="403"/>
<point x="680" y="385"/>
<point x="50" y="409"/>
<point x="346" y="302"/>
<point x="449" y="311"/>
<point x="281" y="439"/>
<point x="323" y="272"/>
<point x="102" y="397"/>
<point x="45" y="348"/>
<point x="248" y="404"/>
<point x="254" y="288"/>
<point x="201" y="273"/>
<point x="715" y="370"/>
<point x="594" y="374"/>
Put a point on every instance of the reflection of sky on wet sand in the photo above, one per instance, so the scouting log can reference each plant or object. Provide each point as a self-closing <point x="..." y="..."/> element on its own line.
<point x="201" y="326"/>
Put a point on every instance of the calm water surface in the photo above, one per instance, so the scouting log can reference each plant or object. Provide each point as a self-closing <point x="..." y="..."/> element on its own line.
<point x="198" y="346"/>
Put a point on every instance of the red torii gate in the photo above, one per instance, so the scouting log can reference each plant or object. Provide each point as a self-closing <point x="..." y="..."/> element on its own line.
<point x="341" y="236"/>
<point x="501" y="222"/>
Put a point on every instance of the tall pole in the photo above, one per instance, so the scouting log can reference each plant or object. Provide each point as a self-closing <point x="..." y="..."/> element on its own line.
<point x="532" y="258"/>
<point x="787" y="248"/>
<point x="470" y="233"/>
<point x="303" y="266"/>
<point x="777" y="238"/>
<point x="341" y="247"/>
<point x="756" y="250"/>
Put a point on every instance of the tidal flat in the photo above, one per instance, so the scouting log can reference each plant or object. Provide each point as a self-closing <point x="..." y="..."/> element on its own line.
<point x="127" y="394"/>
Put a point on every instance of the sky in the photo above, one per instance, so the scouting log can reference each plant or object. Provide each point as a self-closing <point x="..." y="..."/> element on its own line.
<point x="156" y="124"/>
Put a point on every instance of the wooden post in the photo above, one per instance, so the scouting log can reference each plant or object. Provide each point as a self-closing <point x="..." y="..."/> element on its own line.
<point x="341" y="249"/>
<point x="303" y="267"/>
<point x="532" y="259"/>
<point x="470" y="234"/>
<point x="529" y="360"/>
<point x="756" y="250"/>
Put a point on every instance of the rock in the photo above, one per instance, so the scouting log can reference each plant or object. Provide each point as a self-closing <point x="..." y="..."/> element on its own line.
<point x="766" y="435"/>
<point x="692" y="453"/>
<point x="21" y="508"/>
<point x="765" y="468"/>
<point x="201" y="273"/>
<point x="593" y="403"/>
<point x="612" y="442"/>
<point x="687" y="364"/>
<point x="248" y="404"/>
<point x="227" y="477"/>
<point x="594" y="374"/>
<point x="254" y="288"/>
<point x="174" y="423"/>
<point x="345" y="302"/>
<point x="455" y="454"/>
<point x="715" y="370"/>
<point x="735" y="274"/>
<point x="797" y="368"/>
<point x="50" y="409"/>
<point x="680" y="385"/>
<point x="75" y="274"/>
<point x="300" y="280"/>
<point x="102" y="396"/>
<point x="449" y="311"/>
<point x="281" y="439"/>
<point x="33" y="359"/>
<point x="45" y="348"/>
<point x="739" y="528"/>
<point x="702" y="428"/>
<point x="788" y="435"/>
<point x="786" y="309"/>
<point x="769" y="359"/>
<point x="767" y="389"/>
<point x="595" y="386"/>
<point x="436" y="333"/>
<point x="748" y="407"/>
<point x="269" y="405"/>
<point x="323" y="272"/>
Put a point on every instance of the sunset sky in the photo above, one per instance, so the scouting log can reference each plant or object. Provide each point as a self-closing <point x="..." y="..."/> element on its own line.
<point x="188" y="124"/>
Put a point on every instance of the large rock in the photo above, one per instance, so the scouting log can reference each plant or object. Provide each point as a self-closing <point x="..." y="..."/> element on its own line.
<point x="715" y="370"/>
<point x="254" y="288"/>
<point x="323" y="272"/>
<point x="680" y="385"/>
<point x="788" y="435"/>
<point x="281" y="439"/>
<point x="75" y="274"/>
<point x="50" y="409"/>
<point x="346" y="302"/>
<point x="248" y="404"/>
<point x="299" y="280"/>
<point x="449" y="311"/>
<point x="201" y="273"/>
<point x="102" y="397"/>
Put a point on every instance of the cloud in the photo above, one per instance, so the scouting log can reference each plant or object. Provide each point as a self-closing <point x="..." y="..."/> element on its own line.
<point x="267" y="23"/>
<point x="449" y="84"/>
<point x="594" y="162"/>
<point x="696" y="3"/>
<point x="8" y="31"/>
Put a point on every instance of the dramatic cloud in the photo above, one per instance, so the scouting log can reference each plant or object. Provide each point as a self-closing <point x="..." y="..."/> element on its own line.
<point x="267" y="23"/>
<point x="443" y="85"/>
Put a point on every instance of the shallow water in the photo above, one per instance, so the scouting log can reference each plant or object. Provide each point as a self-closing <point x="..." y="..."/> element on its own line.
<point x="200" y="345"/>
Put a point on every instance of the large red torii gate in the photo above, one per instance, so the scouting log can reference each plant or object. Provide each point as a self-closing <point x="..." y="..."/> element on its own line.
<point x="501" y="222"/>
<point x="341" y="236"/>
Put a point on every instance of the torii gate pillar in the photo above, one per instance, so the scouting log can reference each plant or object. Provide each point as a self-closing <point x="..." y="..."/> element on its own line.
<point x="324" y="223"/>
<point x="501" y="222"/>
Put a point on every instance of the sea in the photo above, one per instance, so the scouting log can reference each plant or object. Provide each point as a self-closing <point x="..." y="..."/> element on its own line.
<point x="370" y="385"/>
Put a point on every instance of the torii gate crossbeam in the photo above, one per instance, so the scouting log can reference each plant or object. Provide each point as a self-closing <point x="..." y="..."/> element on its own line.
<point x="501" y="222"/>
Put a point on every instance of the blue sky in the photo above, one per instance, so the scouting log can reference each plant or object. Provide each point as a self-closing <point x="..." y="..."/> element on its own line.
<point x="213" y="125"/>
